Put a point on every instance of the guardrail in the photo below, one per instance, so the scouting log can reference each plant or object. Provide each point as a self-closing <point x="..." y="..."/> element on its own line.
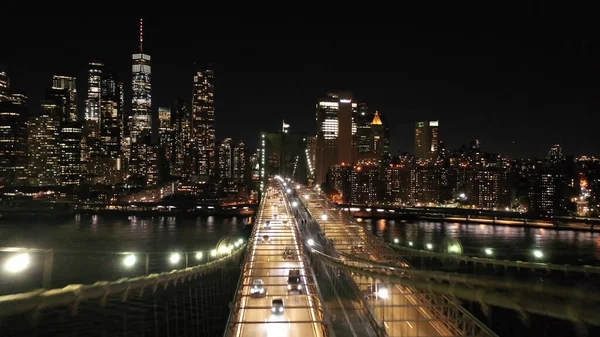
<point x="72" y="295"/>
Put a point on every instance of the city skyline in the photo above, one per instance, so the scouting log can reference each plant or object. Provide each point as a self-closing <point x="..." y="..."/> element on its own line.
<point x="499" y="98"/>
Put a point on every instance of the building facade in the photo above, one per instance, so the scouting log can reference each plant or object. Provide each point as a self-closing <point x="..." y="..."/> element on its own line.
<point x="203" y="122"/>
<point x="426" y="139"/>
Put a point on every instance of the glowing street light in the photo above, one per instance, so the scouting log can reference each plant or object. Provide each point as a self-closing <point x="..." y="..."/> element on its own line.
<point x="383" y="293"/>
<point x="453" y="249"/>
<point x="324" y="217"/>
<point x="199" y="256"/>
<point x="410" y="243"/>
<point x="17" y="263"/>
<point x="288" y="191"/>
<point x="310" y="242"/>
<point x="298" y="187"/>
<point x="174" y="258"/>
<point x="396" y="241"/>
<point x="294" y="204"/>
<point x="429" y="246"/>
<point x="306" y="196"/>
<point x="538" y="254"/>
<point x="213" y="253"/>
<point x="129" y="260"/>
<point x="240" y="241"/>
<point x="489" y="251"/>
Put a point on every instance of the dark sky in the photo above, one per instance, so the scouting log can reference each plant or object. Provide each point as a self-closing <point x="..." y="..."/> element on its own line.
<point x="518" y="93"/>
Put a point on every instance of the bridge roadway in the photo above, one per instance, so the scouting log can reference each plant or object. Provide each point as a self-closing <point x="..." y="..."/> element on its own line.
<point x="402" y="312"/>
<point x="252" y="316"/>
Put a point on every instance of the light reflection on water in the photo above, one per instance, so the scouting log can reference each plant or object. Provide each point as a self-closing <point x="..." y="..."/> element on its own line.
<point x="564" y="246"/>
<point x="98" y="233"/>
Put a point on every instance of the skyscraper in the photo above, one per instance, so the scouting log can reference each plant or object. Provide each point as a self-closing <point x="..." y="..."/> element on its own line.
<point x="141" y="91"/>
<point x="181" y="126"/>
<point x="64" y="93"/>
<point x="92" y="104"/>
<point x="239" y="162"/>
<point x="110" y="112"/>
<point x="335" y="142"/>
<point x="426" y="139"/>
<point x="70" y="154"/>
<point x="203" y="121"/>
<point x="13" y="141"/>
<point x="166" y="138"/>
<point x="4" y="85"/>
<point x="43" y="144"/>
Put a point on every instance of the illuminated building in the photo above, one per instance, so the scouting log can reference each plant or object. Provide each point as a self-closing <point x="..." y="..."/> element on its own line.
<point x="142" y="92"/>
<point x="360" y="184"/>
<point x="43" y="143"/>
<point x="4" y="86"/>
<point x="397" y="181"/>
<point x="334" y="140"/>
<point x="426" y="140"/>
<point x="13" y="141"/>
<point x="166" y="136"/>
<point x="363" y="120"/>
<point x="181" y="126"/>
<point x="106" y="162"/>
<point x="92" y="104"/>
<point x="374" y="143"/>
<point x="424" y="186"/>
<point x="555" y="154"/>
<point x="70" y="154"/>
<point x="64" y="93"/>
<point x="239" y="162"/>
<point x="488" y="189"/>
<point x="203" y="122"/>
<point x="144" y="160"/>
<point x="225" y="160"/>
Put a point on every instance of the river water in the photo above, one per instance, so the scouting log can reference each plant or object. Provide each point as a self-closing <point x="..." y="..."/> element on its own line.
<point x="512" y="243"/>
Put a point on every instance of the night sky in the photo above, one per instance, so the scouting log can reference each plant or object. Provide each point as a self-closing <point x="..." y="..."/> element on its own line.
<point x="518" y="94"/>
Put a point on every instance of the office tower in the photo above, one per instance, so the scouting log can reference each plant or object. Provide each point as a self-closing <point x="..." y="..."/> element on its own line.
<point x="203" y="121"/>
<point x="92" y="104"/>
<point x="64" y="93"/>
<point x="52" y="109"/>
<point x="379" y="141"/>
<point x="239" y="162"/>
<point x="166" y="132"/>
<point x="107" y="160"/>
<point x="181" y="128"/>
<point x="4" y="86"/>
<point x="142" y="92"/>
<point x="225" y="160"/>
<point x="70" y="154"/>
<point x="13" y="140"/>
<point x="555" y="154"/>
<point x="426" y="140"/>
<point x="335" y="141"/>
<point x="43" y="145"/>
<point x="363" y="120"/>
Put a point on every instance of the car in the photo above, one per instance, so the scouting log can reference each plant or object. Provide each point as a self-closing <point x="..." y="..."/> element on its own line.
<point x="358" y="248"/>
<point x="266" y="239"/>
<point x="275" y="216"/>
<point x="288" y="254"/>
<point x="258" y="289"/>
<point x="267" y="224"/>
<point x="377" y="292"/>
<point x="294" y="281"/>
<point x="277" y="306"/>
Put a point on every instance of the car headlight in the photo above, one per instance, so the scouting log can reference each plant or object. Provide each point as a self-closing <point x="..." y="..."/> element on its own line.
<point x="261" y="291"/>
<point x="273" y="309"/>
<point x="289" y="287"/>
<point x="281" y="309"/>
<point x="299" y="287"/>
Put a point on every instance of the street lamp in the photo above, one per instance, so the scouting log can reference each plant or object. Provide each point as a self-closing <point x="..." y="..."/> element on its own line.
<point x="538" y="254"/>
<point x="288" y="191"/>
<point x="489" y="251"/>
<point x="429" y="246"/>
<point x="213" y="253"/>
<point x="174" y="258"/>
<point x="129" y="260"/>
<point x="410" y="243"/>
<point x="240" y="241"/>
<point x="310" y="242"/>
<point x="294" y="204"/>
<point x="324" y="217"/>
<point x="17" y="263"/>
<point x="199" y="256"/>
<point x="396" y="241"/>
<point x="306" y="197"/>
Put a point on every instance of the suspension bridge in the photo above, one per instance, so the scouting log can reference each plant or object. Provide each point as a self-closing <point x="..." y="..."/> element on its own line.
<point x="308" y="269"/>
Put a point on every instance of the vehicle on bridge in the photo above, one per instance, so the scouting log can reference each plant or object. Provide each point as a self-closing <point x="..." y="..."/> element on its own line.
<point x="358" y="248"/>
<point x="294" y="281"/>
<point x="267" y="224"/>
<point x="266" y="239"/>
<point x="288" y="254"/>
<point x="277" y="306"/>
<point x="258" y="289"/>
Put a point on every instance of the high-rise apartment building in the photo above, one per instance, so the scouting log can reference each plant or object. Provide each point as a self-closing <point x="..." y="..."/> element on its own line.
<point x="64" y="93"/>
<point x="92" y="104"/>
<point x="203" y="121"/>
<point x="181" y="139"/>
<point x="13" y="140"/>
<point x="70" y="154"/>
<point x="426" y="139"/>
<point x="4" y="86"/>
<point x="335" y="142"/>
<point x="225" y="159"/>
<point x="43" y="155"/>
<point x="239" y="162"/>
<point x="142" y="92"/>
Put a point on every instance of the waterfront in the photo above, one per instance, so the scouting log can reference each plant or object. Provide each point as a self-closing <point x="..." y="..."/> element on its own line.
<point x="511" y="243"/>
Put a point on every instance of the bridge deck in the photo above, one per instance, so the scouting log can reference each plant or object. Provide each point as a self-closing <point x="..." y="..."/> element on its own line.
<point x="253" y="316"/>
<point x="402" y="313"/>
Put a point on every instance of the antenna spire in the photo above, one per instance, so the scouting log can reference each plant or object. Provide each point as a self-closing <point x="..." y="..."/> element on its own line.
<point x="141" y="35"/>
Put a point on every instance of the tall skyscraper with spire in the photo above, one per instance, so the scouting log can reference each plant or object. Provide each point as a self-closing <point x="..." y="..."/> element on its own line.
<point x="203" y="121"/>
<point x="141" y="91"/>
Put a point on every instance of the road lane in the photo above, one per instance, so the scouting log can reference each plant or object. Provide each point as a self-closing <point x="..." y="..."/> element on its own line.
<point x="266" y="261"/>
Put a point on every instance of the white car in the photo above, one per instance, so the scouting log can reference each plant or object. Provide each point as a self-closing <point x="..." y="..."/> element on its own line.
<point x="258" y="289"/>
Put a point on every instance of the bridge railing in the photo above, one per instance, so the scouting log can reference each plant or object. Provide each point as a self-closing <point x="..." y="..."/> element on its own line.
<point x="25" y="269"/>
<point x="72" y="295"/>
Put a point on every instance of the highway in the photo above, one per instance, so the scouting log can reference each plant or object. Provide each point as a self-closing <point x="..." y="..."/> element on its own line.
<point x="301" y="316"/>
<point x="400" y="310"/>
